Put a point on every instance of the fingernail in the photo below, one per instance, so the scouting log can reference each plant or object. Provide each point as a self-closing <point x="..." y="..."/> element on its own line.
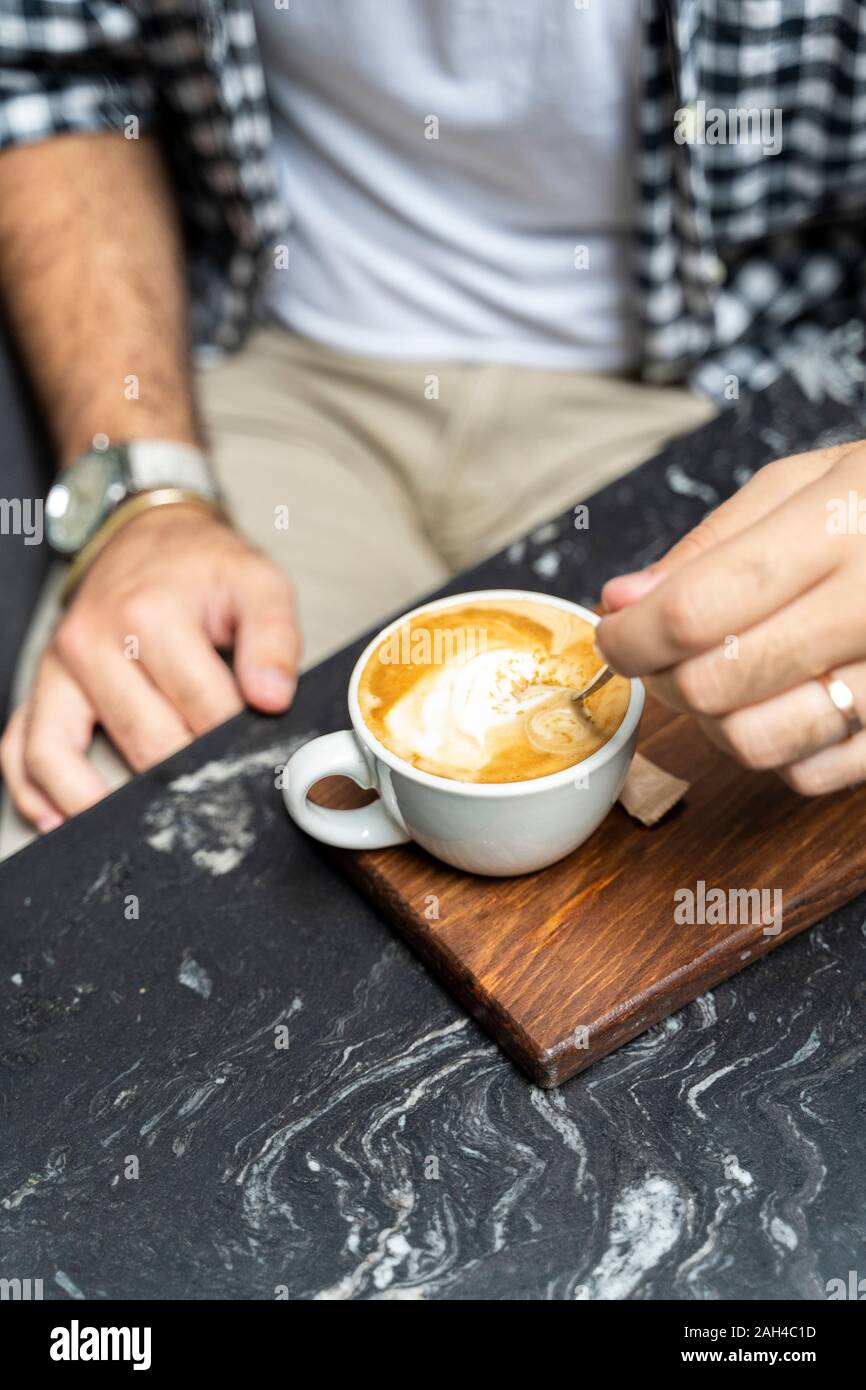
<point x="48" y="822"/>
<point x="626" y="588"/>
<point x="637" y="576"/>
<point x="274" y="687"/>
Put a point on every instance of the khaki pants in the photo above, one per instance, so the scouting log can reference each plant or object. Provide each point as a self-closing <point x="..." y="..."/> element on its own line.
<point x="395" y="476"/>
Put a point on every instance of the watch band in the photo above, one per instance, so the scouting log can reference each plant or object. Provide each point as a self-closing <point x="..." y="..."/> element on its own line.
<point x="160" y="463"/>
<point x="134" y="506"/>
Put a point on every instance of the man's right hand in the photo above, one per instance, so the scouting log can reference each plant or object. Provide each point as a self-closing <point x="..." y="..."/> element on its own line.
<point x="137" y="652"/>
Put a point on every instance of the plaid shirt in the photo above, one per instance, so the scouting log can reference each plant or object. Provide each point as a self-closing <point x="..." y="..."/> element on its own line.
<point x="748" y="262"/>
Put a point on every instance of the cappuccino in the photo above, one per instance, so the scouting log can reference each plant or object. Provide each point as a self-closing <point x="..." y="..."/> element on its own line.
<point x="478" y="692"/>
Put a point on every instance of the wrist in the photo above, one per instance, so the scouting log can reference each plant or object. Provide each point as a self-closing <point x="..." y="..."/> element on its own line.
<point x="182" y="507"/>
<point x="77" y="441"/>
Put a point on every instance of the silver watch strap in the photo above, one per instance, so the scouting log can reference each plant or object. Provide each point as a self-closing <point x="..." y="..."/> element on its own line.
<point x="155" y="463"/>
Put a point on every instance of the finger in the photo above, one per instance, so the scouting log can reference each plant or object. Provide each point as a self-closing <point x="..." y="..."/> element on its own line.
<point x="266" y="639"/>
<point x="768" y="489"/>
<point x="28" y="800"/>
<point x="726" y="590"/>
<point x="788" y="728"/>
<point x="57" y="737"/>
<point x="798" y="644"/>
<point x="183" y="664"/>
<point x="141" y="723"/>
<point x="843" y="765"/>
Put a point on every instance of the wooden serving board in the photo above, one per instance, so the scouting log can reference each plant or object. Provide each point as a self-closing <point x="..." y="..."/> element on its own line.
<point x="564" y="965"/>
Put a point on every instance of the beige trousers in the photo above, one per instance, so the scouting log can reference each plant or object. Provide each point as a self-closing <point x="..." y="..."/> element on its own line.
<point x="393" y="476"/>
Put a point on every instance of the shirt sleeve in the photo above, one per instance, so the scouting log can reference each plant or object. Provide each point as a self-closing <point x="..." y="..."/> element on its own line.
<point x="72" y="66"/>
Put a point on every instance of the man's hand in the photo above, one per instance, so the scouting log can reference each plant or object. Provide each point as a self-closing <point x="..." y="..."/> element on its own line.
<point x="740" y="617"/>
<point x="93" y="282"/>
<point x="137" y="653"/>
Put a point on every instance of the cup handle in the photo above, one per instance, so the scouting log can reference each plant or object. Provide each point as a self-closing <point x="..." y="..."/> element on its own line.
<point x="337" y="755"/>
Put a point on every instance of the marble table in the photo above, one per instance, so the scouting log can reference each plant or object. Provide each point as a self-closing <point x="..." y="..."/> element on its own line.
<point x="223" y="1076"/>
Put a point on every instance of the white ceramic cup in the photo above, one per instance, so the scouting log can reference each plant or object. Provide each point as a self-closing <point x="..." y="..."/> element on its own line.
<point x="483" y="827"/>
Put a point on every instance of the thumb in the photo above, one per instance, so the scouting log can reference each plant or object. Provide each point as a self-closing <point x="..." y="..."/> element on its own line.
<point x="267" y="644"/>
<point x="626" y="589"/>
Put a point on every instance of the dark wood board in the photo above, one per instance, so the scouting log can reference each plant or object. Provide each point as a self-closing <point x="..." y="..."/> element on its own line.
<point x="565" y="965"/>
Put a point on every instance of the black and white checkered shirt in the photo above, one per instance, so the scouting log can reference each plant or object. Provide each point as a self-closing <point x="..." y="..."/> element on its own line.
<point x="749" y="261"/>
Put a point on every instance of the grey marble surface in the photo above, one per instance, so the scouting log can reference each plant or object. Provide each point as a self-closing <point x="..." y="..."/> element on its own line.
<point x="252" y="1087"/>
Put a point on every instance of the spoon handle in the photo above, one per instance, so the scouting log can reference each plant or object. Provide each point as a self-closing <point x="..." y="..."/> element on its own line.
<point x="600" y="678"/>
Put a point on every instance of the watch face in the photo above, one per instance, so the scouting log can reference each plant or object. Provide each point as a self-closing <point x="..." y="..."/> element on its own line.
<point x="77" y="503"/>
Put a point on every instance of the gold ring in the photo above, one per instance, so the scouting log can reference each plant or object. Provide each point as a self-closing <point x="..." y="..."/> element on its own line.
<point x="842" y="697"/>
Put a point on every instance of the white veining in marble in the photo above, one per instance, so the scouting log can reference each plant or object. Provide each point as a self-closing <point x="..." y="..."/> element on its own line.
<point x="210" y="814"/>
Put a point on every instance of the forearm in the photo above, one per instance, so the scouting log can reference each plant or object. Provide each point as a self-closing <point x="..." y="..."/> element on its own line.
<point x="92" y="283"/>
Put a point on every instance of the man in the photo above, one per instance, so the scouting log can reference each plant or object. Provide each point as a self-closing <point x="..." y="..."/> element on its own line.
<point x="451" y="341"/>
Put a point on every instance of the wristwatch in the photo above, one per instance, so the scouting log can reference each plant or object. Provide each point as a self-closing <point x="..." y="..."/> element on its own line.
<point x="101" y="480"/>
<point x="104" y="489"/>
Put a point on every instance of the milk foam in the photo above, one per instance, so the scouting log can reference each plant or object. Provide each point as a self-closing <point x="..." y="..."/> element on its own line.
<point x="451" y="715"/>
<point x="492" y="703"/>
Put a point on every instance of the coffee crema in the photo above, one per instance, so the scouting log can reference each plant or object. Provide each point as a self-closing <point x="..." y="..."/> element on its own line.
<point x="479" y="692"/>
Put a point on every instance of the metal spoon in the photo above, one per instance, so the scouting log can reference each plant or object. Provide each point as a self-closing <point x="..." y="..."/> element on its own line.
<point x="601" y="677"/>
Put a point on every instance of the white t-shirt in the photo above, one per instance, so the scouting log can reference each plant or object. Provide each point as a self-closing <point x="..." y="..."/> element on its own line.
<point x="459" y="174"/>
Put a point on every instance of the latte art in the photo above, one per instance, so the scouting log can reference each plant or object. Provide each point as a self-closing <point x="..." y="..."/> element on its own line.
<point x="494" y="707"/>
